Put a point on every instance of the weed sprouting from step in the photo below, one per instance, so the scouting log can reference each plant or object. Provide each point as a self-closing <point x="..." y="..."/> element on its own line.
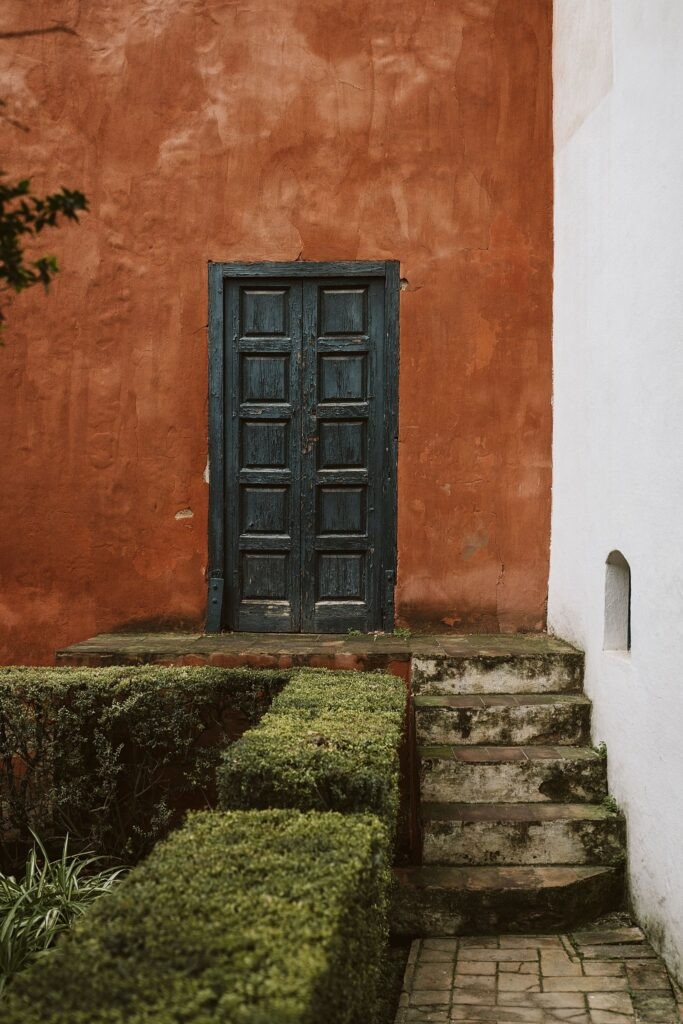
<point x="401" y="632"/>
<point x="610" y="804"/>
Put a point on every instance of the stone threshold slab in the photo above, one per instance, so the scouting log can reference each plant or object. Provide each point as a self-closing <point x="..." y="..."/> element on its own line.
<point x="286" y="650"/>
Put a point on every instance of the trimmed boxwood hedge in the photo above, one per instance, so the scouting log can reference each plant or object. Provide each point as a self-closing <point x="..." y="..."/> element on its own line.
<point x="329" y="742"/>
<point x="113" y="756"/>
<point x="262" y="917"/>
<point x="311" y="691"/>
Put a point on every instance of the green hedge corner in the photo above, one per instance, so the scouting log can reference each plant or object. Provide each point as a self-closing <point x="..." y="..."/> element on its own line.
<point x="313" y="690"/>
<point x="113" y="756"/>
<point x="246" y="917"/>
<point x="329" y="742"/>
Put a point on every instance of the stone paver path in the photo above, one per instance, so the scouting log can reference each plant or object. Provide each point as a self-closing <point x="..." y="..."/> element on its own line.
<point x="591" y="977"/>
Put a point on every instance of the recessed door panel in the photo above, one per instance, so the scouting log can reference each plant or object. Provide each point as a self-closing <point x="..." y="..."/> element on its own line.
<point x="264" y="509"/>
<point x="342" y="310"/>
<point x="341" y="510"/>
<point x="265" y="444"/>
<point x="342" y="444"/>
<point x="342" y="378"/>
<point x="265" y="312"/>
<point x="341" y="576"/>
<point x="264" y="576"/>
<point x="265" y="378"/>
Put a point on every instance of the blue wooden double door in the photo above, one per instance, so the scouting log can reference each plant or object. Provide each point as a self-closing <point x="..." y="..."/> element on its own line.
<point x="310" y="445"/>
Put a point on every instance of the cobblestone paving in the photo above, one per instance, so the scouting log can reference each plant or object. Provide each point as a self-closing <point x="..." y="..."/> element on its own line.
<point x="591" y="977"/>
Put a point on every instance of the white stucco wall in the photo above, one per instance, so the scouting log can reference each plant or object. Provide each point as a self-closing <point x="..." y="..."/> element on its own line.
<point x="618" y="400"/>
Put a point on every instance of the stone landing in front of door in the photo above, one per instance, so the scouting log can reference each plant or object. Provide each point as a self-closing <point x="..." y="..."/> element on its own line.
<point x="237" y="650"/>
<point x="531" y="653"/>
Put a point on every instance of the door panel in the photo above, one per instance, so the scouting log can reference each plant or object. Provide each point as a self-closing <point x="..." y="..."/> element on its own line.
<point x="264" y="509"/>
<point x="305" y="449"/>
<point x="265" y="378"/>
<point x="343" y="334"/>
<point x="342" y="310"/>
<point x="342" y="377"/>
<point x="263" y="430"/>
<point x="341" y="510"/>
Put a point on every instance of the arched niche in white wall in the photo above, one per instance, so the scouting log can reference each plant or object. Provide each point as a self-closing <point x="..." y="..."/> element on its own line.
<point x="617" y="603"/>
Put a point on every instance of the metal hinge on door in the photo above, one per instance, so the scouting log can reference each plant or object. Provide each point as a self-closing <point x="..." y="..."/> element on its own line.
<point x="388" y="602"/>
<point x="214" y="607"/>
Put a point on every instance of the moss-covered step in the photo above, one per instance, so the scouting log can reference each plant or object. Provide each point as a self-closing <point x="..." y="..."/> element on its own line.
<point x="545" y="718"/>
<point x="503" y="665"/>
<point x="529" y="774"/>
<point x="515" y="834"/>
<point x="480" y="900"/>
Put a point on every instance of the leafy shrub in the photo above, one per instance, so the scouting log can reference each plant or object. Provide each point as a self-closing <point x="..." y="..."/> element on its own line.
<point x="261" y="917"/>
<point x="37" y="908"/>
<point x="114" y="756"/>
<point x="329" y="742"/>
<point x="23" y="216"/>
<point x="312" y="691"/>
<point x="321" y="763"/>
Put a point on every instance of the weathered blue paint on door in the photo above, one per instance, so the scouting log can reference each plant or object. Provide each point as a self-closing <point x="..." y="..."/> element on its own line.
<point x="263" y="447"/>
<point x="343" y="331"/>
<point x="309" y="430"/>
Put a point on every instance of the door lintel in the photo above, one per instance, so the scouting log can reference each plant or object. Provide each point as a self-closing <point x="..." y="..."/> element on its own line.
<point x="305" y="268"/>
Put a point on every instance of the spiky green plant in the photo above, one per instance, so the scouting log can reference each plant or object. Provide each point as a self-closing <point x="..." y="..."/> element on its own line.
<point x="36" y="908"/>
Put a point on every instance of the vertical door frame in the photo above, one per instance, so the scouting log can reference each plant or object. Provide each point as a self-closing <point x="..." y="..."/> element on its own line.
<point x="388" y="270"/>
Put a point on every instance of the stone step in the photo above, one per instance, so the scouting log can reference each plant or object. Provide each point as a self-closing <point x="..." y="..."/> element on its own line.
<point x="480" y="900"/>
<point x="529" y="774"/>
<point x="550" y="668"/>
<point x="539" y="834"/>
<point x="545" y="718"/>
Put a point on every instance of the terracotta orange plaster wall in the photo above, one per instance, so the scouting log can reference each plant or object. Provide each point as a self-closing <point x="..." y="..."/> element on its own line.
<point x="273" y="129"/>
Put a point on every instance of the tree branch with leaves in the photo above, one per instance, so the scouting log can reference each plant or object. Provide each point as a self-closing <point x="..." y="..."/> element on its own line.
<point x="24" y="216"/>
